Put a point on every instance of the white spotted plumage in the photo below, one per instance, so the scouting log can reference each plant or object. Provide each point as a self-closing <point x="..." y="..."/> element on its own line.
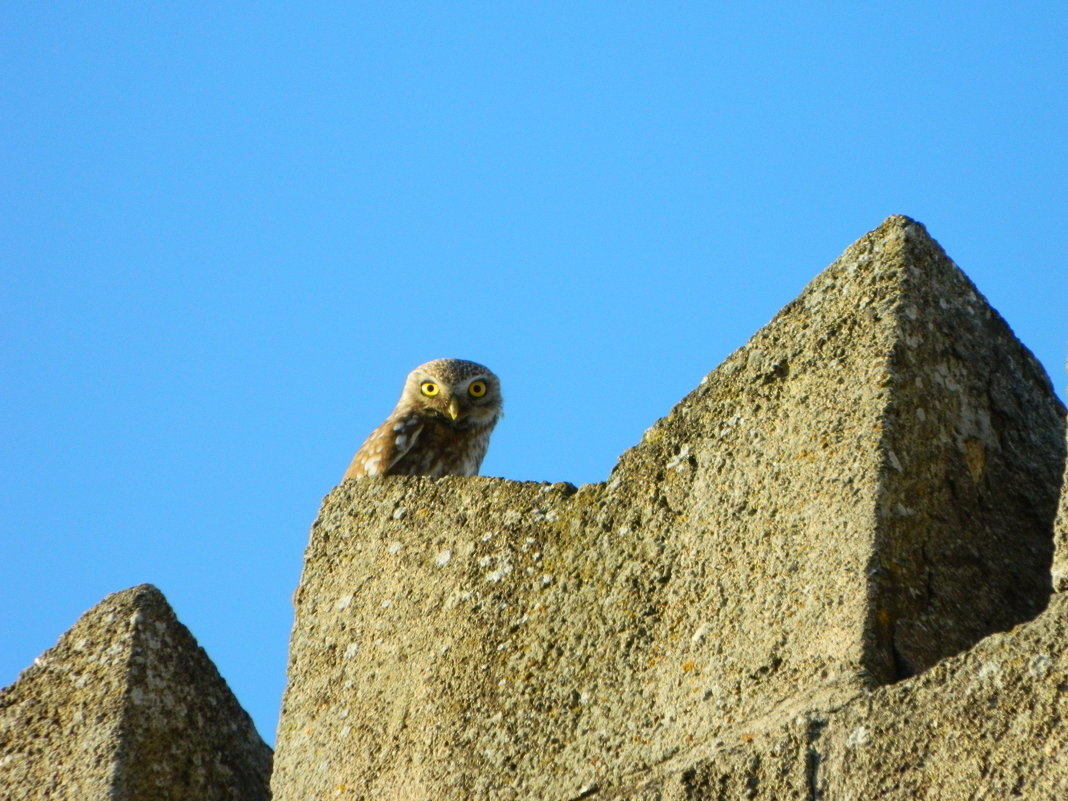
<point x="443" y="430"/>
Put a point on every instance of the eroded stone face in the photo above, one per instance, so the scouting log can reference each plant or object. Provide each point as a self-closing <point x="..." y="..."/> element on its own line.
<point x="126" y="706"/>
<point x="866" y="487"/>
<point x="987" y="723"/>
<point x="1060" y="537"/>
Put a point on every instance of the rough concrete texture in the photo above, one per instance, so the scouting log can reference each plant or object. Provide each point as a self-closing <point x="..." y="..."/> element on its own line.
<point x="986" y="724"/>
<point x="888" y="416"/>
<point x="127" y="707"/>
<point x="866" y="487"/>
<point x="1060" y="540"/>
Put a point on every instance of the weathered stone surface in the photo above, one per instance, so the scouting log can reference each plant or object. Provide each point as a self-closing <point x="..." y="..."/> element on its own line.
<point x="777" y="764"/>
<point x="888" y="417"/>
<point x="986" y="724"/>
<point x="127" y="707"/>
<point x="1060" y="540"/>
<point x="866" y="487"/>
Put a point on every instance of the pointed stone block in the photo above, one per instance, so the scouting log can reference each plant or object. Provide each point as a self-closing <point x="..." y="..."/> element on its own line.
<point x="127" y="707"/>
<point x="886" y="429"/>
<point x="866" y="487"/>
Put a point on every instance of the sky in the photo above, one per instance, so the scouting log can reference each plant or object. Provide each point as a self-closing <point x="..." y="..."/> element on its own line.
<point x="228" y="231"/>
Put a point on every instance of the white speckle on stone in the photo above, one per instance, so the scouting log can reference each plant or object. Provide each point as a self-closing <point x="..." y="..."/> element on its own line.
<point x="486" y="561"/>
<point x="546" y="580"/>
<point x="386" y="604"/>
<point x="943" y="375"/>
<point x="701" y="633"/>
<point x="344" y="713"/>
<point x="859" y="736"/>
<point x="703" y="381"/>
<point x="894" y="461"/>
<point x="678" y="462"/>
<point x="402" y="442"/>
<point x="989" y="670"/>
<point x="499" y="573"/>
<point x="1039" y="665"/>
<point x="614" y="483"/>
<point x="400" y="512"/>
<point x="623" y="531"/>
<point x="545" y="514"/>
<point x="343" y="602"/>
<point x="352" y="650"/>
<point x="394" y="547"/>
<point x="443" y="558"/>
<point x="754" y="360"/>
<point x="345" y="731"/>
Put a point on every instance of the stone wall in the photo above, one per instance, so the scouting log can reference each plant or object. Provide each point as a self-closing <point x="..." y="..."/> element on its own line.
<point x="986" y="724"/>
<point x="864" y="489"/>
<point x="825" y="575"/>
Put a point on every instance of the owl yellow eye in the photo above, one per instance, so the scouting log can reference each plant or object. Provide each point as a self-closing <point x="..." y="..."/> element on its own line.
<point x="429" y="388"/>
<point x="477" y="389"/>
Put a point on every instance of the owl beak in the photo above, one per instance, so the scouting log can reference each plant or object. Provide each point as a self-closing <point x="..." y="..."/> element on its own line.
<point x="454" y="408"/>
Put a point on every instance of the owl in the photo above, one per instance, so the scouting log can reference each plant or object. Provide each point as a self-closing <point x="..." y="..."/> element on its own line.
<point x="440" y="426"/>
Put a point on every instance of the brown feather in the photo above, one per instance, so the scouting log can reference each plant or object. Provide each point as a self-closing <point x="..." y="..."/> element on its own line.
<point x="420" y="439"/>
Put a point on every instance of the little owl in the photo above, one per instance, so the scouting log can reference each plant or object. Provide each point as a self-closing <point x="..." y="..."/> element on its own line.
<point x="440" y="426"/>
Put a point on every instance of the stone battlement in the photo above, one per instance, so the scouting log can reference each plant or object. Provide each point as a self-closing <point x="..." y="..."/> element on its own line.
<point x="826" y="574"/>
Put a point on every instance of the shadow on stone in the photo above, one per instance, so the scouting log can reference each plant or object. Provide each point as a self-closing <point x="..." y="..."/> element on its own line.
<point x="865" y="488"/>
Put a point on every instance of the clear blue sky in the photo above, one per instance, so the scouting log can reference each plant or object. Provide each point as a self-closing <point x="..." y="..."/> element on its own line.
<point x="229" y="230"/>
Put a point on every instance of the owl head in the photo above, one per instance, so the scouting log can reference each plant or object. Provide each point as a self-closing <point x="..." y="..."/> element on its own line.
<point x="464" y="394"/>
